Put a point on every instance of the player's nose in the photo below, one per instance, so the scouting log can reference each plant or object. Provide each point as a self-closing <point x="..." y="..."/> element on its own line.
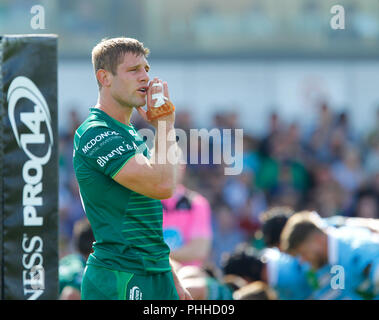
<point x="145" y="76"/>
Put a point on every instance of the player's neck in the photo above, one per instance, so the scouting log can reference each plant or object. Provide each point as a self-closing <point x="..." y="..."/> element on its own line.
<point x="112" y="108"/>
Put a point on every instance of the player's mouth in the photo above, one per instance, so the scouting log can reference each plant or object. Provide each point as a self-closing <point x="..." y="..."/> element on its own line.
<point x="143" y="90"/>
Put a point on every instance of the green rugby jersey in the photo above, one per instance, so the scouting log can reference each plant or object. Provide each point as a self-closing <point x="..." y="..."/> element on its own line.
<point x="127" y="226"/>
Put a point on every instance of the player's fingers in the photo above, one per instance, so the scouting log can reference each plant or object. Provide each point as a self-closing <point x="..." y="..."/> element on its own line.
<point x="149" y="99"/>
<point x="142" y="113"/>
<point x="156" y="89"/>
<point x="153" y="90"/>
<point x="165" y="90"/>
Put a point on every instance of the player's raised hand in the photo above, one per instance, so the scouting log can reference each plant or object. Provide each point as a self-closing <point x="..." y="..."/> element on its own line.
<point x="165" y="111"/>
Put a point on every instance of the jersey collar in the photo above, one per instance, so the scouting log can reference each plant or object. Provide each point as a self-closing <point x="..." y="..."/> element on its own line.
<point x="105" y="116"/>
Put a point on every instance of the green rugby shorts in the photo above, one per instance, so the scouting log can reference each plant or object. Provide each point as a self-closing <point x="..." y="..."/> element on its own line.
<point x="104" y="284"/>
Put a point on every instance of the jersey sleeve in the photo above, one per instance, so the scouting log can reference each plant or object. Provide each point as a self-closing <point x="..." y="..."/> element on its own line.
<point x="287" y="276"/>
<point x="106" y="150"/>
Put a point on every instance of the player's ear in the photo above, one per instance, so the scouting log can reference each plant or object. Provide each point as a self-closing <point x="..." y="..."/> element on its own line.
<point x="104" y="77"/>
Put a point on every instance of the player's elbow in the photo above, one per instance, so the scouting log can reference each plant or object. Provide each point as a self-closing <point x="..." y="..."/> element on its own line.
<point x="166" y="188"/>
<point x="164" y="192"/>
<point x="159" y="191"/>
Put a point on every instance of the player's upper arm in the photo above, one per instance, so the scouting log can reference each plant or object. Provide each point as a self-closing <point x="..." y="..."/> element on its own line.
<point x="105" y="150"/>
<point x="139" y="175"/>
<point x="117" y="156"/>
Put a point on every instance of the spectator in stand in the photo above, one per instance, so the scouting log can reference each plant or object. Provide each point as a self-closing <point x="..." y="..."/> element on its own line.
<point x="226" y="232"/>
<point x="327" y="196"/>
<point x="366" y="204"/>
<point x="348" y="172"/>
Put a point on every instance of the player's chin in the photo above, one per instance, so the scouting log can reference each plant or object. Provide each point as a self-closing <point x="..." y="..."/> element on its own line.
<point x="141" y="104"/>
<point x="140" y="101"/>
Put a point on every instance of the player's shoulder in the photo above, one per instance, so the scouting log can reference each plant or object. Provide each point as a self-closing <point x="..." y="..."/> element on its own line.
<point x="346" y="243"/>
<point x="353" y="235"/>
<point x="94" y="131"/>
<point x="91" y="126"/>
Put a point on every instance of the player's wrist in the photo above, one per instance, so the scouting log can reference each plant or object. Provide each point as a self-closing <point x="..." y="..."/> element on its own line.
<point x="165" y="111"/>
<point x="163" y="124"/>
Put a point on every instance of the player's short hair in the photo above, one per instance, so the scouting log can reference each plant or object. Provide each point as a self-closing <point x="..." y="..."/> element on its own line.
<point x="83" y="236"/>
<point x="298" y="228"/>
<point x="273" y="222"/>
<point x="245" y="262"/>
<point x="108" y="53"/>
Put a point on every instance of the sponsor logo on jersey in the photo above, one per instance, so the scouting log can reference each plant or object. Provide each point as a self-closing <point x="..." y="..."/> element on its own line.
<point x="90" y="144"/>
<point x="102" y="160"/>
<point x="134" y="134"/>
<point x="135" y="293"/>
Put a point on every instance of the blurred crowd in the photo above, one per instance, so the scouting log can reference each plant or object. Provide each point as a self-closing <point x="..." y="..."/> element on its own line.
<point x="326" y="168"/>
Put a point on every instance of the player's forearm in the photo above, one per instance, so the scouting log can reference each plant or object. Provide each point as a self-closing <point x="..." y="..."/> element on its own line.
<point x="154" y="177"/>
<point x="165" y="158"/>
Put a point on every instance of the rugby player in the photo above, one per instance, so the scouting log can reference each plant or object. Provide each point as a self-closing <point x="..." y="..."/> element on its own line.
<point x="352" y="251"/>
<point x="281" y="272"/>
<point x="320" y="280"/>
<point x="120" y="184"/>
